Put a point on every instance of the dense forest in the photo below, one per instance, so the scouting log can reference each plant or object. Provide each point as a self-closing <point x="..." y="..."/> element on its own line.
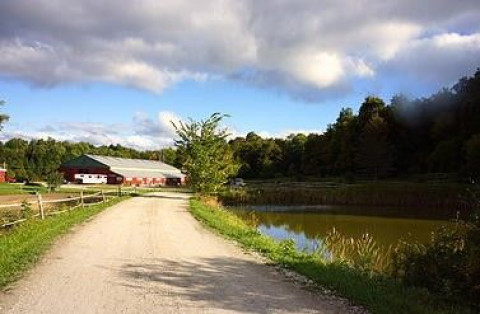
<point x="437" y="134"/>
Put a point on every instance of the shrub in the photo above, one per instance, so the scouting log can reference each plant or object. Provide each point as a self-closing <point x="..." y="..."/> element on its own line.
<point x="26" y="211"/>
<point x="448" y="265"/>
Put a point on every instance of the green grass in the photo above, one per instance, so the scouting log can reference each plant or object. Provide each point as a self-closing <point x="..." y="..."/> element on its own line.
<point x="379" y="294"/>
<point x="16" y="188"/>
<point x="25" y="244"/>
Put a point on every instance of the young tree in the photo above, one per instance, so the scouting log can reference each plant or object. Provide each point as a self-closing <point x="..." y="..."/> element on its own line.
<point x="54" y="180"/>
<point x="3" y="117"/>
<point x="208" y="159"/>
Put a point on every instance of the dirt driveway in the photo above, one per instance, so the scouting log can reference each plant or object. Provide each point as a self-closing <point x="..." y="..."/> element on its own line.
<point x="148" y="255"/>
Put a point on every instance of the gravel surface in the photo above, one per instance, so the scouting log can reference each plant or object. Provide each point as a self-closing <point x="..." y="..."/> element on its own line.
<point x="148" y="255"/>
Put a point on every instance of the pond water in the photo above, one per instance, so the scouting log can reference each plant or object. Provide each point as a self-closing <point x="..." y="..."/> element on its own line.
<point x="308" y="223"/>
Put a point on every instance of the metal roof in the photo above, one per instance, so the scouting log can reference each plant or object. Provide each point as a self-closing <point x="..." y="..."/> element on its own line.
<point x="138" y="168"/>
<point x="128" y="168"/>
<point x="133" y="164"/>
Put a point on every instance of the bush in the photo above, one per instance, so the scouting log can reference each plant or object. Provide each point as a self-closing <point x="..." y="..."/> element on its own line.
<point x="448" y="265"/>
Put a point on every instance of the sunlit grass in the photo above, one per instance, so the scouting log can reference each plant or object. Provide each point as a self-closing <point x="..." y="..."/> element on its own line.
<point x="377" y="292"/>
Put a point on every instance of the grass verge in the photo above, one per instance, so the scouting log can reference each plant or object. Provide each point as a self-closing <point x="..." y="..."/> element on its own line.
<point x="378" y="294"/>
<point x="16" y="188"/>
<point x="24" y="245"/>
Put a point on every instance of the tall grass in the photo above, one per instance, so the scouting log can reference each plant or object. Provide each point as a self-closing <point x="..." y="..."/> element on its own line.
<point x="377" y="292"/>
<point x="443" y="200"/>
<point x="361" y="253"/>
<point x="23" y="246"/>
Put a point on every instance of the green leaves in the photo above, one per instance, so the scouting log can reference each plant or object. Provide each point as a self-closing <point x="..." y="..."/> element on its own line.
<point x="208" y="159"/>
<point x="3" y="117"/>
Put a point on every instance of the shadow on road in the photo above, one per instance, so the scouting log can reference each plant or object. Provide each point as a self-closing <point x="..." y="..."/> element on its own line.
<point x="221" y="283"/>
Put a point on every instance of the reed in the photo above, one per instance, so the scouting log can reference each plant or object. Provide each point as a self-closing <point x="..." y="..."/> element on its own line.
<point x="361" y="253"/>
<point x="446" y="200"/>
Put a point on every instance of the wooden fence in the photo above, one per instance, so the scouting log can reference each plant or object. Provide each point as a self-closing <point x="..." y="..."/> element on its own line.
<point x="46" y="208"/>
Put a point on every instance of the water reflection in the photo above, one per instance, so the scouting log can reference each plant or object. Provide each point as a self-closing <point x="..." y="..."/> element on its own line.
<point x="304" y="225"/>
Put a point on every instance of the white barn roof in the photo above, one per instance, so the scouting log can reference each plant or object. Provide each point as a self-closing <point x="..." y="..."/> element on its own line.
<point x="128" y="168"/>
<point x="138" y="168"/>
<point x="136" y="164"/>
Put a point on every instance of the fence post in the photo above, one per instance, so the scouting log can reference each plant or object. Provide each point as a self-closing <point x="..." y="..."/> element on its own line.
<point x="135" y="189"/>
<point x="40" y="205"/>
<point x="119" y="191"/>
<point x="103" y="197"/>
<point x="82" y="203"/>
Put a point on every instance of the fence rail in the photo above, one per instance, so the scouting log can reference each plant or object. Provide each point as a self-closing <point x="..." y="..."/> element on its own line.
<point x="47" y="208"/>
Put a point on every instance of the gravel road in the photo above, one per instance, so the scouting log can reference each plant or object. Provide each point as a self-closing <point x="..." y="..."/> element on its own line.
<point x="148" y="255"/>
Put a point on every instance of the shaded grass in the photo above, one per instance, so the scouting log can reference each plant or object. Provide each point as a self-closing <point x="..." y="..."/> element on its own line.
<point x="21" y="247"/>
<point x="377" y="293"/>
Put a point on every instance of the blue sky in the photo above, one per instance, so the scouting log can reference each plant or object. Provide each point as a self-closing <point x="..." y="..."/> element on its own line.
<point x="77" y="73"/>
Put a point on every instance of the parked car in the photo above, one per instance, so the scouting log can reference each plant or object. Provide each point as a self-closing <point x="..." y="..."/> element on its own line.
<point x="237" y="183"/>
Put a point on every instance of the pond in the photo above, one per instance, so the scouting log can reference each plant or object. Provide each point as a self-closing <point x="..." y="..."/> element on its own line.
<point x="306" y="224"/>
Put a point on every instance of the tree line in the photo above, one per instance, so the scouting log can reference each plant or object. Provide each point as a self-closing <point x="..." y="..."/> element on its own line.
<point x="435" y="134"/>
<point x="38" y="159"/>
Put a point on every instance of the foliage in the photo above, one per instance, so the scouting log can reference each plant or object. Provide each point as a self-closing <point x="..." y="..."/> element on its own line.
<point x="26" y="211"/>
<point x="448" y="265"/>
<point x="472" y="147"/>
<point x="208" y="160"/>
<point x="3" y="117"/>
<point x="54" y="180"/>
<point x="373" y="155"/>
<point x="405" y="137"/>
<point x="379" y="294"/>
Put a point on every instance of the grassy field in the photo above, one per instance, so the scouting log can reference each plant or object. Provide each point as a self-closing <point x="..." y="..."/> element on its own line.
<point x="21" y="247"/>
<point x="377" y="293"/>
<point x="18" y="188"/>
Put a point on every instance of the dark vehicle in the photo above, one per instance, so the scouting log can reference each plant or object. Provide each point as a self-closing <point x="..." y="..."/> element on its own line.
<point x="237" y="183"/>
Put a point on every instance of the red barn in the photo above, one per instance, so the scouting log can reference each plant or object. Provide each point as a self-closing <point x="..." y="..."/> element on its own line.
<point x="3" y="175"/>
<point x="114" y="170"/>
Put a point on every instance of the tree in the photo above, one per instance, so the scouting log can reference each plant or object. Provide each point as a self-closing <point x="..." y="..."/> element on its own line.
<point x="3" y="117"/>
<point x="54" y="180"/>
<point x="371" y="106"/>
<point x="472" y="149"/>
<point x="208" y="159"/>
<point x="373" y="151"/>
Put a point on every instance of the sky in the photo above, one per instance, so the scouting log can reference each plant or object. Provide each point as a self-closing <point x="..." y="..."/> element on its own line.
<point x="97" y="71"/>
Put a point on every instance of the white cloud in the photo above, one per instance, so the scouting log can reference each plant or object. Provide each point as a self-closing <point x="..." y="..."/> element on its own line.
<point x="307" y="48"/>
<point x="448" y="56"/>
<point x="142" y="133"/>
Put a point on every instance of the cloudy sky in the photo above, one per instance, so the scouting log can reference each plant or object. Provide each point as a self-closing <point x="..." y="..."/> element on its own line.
<point x="106" y="71"/>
